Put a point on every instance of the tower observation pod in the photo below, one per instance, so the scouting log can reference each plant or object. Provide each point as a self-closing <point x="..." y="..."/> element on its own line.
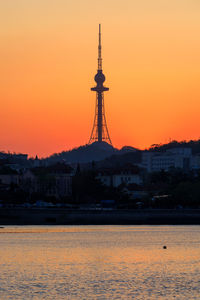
<point x="100" y="129"/>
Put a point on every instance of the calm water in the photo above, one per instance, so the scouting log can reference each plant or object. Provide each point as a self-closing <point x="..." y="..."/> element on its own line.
<point x="100" y="262"/>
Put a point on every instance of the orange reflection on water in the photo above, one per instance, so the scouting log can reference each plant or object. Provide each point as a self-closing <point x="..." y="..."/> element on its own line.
<point x="109" y="262"/>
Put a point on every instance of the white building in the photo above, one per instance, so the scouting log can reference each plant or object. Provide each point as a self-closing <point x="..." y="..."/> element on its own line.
<point x="173" y="158"/>
<point x="185" y="152"/>
<point x="117" y="177"/>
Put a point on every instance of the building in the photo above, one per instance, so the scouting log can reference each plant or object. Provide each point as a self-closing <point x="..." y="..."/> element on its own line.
<point x="116" y="177"/>
<point x="8" y="175"/>
<point x="195" y="162"/>
<point x="164" y="161"/>
<point x="54" y="180"/>
<point x="9" y="179"/>
<point x="183" y="151"/>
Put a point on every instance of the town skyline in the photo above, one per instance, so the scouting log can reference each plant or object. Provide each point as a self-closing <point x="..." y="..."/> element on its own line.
<point x="48" y="58"/>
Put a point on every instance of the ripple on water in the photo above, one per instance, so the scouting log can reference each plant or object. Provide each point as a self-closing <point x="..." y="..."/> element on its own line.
<point x="100" y="262"/>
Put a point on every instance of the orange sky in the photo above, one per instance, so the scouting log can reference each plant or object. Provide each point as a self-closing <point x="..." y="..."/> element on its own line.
<point x="48" y="58"/>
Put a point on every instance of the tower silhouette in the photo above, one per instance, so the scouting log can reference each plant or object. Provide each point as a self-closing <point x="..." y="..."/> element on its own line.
<point x="99" y="129"/>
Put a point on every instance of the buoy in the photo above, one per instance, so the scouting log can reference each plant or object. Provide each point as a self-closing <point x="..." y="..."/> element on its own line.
<point x="164" y="247"/>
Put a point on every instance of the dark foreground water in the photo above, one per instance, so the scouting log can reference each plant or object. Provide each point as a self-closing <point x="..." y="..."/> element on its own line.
<point x="100" y="262"/>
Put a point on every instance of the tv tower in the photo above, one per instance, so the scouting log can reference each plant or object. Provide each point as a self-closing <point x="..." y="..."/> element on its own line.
<point x="100" y="129"/>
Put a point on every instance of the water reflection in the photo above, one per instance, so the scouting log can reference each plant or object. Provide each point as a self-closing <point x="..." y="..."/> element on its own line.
<point x="99" y="262"/>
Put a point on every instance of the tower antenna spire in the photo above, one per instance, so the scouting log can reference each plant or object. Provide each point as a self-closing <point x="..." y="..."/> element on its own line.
<point x="99" y="51"/>
<point x="100" y="129"/>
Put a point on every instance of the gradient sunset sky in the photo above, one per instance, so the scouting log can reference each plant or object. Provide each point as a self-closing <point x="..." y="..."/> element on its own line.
<point x="48" y="59"/>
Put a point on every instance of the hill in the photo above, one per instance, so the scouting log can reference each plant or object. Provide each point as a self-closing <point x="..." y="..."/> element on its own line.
<point x="193" y="144"/>
<point x="88" y="153"/>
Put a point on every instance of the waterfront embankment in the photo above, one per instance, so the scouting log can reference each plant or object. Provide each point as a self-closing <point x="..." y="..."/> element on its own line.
<point x="55" y="216"/>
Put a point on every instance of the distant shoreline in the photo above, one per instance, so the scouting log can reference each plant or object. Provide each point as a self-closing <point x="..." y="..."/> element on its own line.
<point x="59" y="216"/>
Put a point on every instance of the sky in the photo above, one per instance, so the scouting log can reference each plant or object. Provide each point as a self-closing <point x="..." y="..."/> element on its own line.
<point x="48" y="59"/>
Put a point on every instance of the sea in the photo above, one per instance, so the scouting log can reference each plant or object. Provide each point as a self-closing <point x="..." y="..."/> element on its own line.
<point x="100" y="262"/>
